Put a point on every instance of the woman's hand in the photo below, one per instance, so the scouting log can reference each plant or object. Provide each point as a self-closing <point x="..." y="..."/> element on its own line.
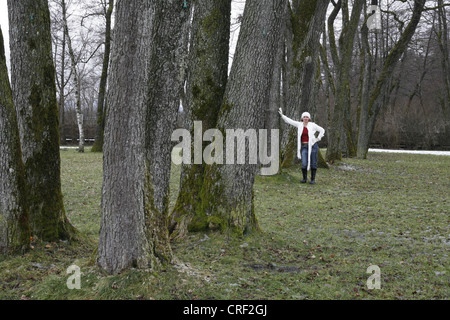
<point x="280" y="112"/>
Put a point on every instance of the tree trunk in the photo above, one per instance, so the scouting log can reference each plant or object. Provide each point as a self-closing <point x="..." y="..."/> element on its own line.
<point x="143" y="101"/>
<point x="76" y="79"/>
<point x="125" y="228"/>
<point x="366" y="83"/>
<point x="98" y="144"/>
<point x="165" y="87"/>
<point x="381" y="88"/>
<point x="306" y="22"/>
<point x="340" y="128"/>
<point x="207" y="78"/>
<point x="14" y="226"/>
<point x="34" y="95"/>
<point x="227" y="194"/>
<point x="61" y="102"/>
<point x="445" y="62"/>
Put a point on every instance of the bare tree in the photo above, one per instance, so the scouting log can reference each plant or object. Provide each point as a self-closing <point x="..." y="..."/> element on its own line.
<point x="383" y="82"/>
<point x="108" y="12"/>
<point x="77" y="83"/>
<point x="340" y="126"/>
<point x="442" y="35"/>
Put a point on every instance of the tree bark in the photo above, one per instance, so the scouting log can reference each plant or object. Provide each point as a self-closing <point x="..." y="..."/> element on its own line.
<point x="14" y="226"/>
<point x="340" y="129"/>
<point x="125" y="228"/>
<point x="227" y="194"/>
<point x="99" y="132"/>
<point x="143" y="101"/>
<point x="166" y="82"/>
<point x="34" y="96"/>
<point x="207" y="78"/>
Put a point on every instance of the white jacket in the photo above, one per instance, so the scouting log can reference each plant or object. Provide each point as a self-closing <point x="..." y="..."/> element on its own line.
<point x="312" y="129"/>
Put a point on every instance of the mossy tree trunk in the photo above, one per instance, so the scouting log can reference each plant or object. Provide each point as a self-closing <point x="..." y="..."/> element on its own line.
<point x="384" y="80"/>
<point x="340" y="132"/>
<point x="143" y="101"/>
<point x="306" y="18"/>
<point x="101" y="105"/>
<point x="206" y="82"/>
<point x="227" y="193"/>
<point x="167" y="75"/>
<point x="14" y="226"/>
<point x="34" y="96"/>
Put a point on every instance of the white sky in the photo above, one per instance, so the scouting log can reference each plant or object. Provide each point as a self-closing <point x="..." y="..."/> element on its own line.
<point x="238" y="6"/>
<point x="5" y="27"/>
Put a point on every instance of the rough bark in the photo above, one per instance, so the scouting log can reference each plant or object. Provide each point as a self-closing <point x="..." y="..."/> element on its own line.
<point x="14" y="226"/>
<point x="227" y="194"/>
<point x="206" y="82"/>
<point x="143" y="101"/>
<point x="167" y="68"/>
<point x="340" y="128"/>
<point x="99" y="132"/>
<point x="125" y="228"/>
<point x="34" y="96"/>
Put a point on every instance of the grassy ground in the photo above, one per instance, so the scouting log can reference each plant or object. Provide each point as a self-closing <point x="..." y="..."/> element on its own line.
<point x="391" y="210"/>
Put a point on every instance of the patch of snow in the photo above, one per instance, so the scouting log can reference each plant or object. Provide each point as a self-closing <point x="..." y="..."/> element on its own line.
<point x="439" y="153"/>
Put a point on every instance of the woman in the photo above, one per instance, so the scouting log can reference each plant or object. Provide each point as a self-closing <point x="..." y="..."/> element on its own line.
<point x="307" y="147"/>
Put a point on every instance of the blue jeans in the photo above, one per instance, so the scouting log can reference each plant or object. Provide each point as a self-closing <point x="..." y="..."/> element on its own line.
<point x="314" y="154"/>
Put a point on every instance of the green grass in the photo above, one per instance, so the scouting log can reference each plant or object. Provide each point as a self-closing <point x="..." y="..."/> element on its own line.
<point x="391" y="210"/>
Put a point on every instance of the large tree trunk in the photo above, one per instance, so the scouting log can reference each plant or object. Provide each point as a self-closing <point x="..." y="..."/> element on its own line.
<point x="227" y="194"/>
<point x="99" y="132"/>
<point x="34" y="95"/>
<point x="340" y="127"/>
<point x="306" y="20"/>
<point x="167" y="70"/>
<point x="143" y="101"/>
<point x="206" y="82"/>
<point x="14" y="226"/>
<point x="381" y="88"/>
<point x="125" y="229"/>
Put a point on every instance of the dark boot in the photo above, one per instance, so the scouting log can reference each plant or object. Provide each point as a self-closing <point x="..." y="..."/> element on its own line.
<point x="305" y="175"/>
<point x="313" y="176"/>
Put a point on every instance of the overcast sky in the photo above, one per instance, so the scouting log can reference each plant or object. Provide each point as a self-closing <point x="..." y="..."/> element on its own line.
<point x="4" y="25"/>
